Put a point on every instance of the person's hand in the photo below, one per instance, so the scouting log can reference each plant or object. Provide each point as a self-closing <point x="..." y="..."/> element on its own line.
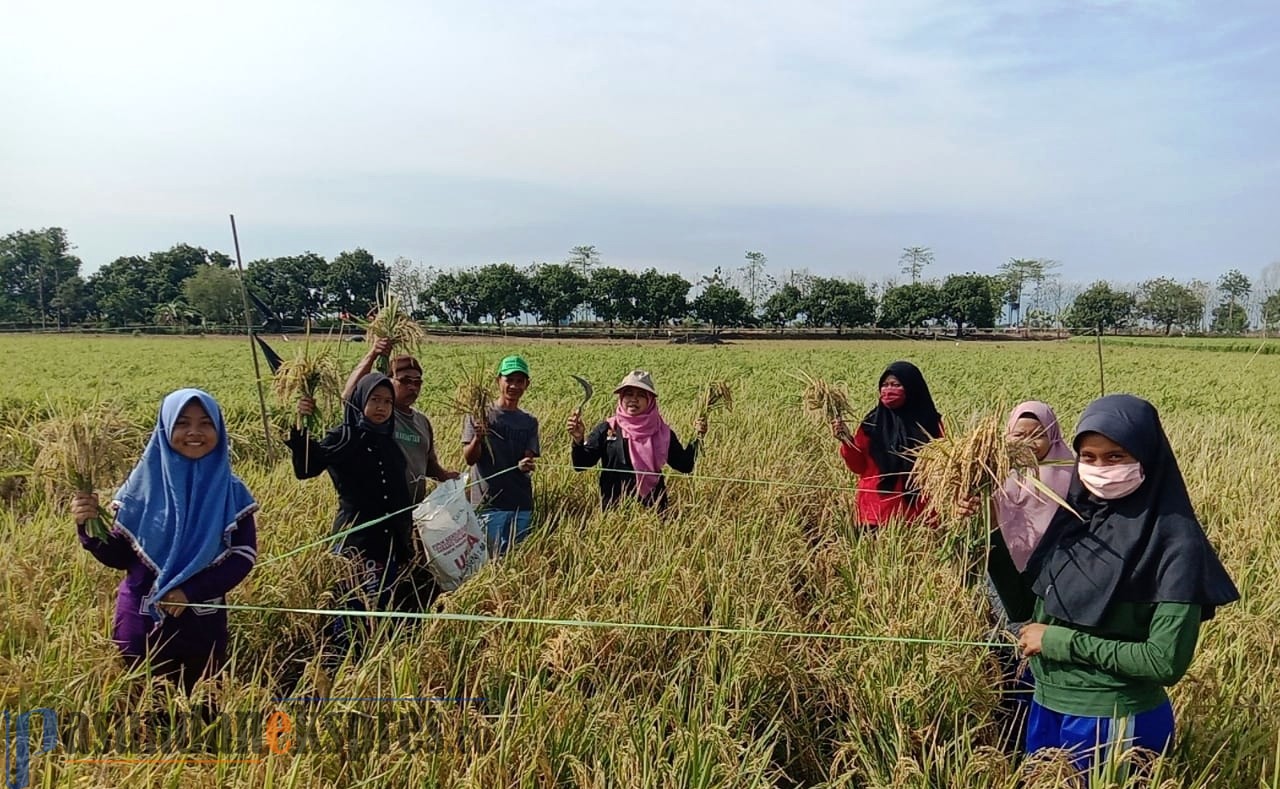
<point x="448" y="475"/>
<point x="84" y="507"/>
<point x="480" y="429"/>
<point x="574" y="425"/>
<point x="968" y="507"/>
<point x="700" y="426"/>
<point x="306" y="406"/>
<point x="840" y="430"/>
<point x="173" y="603"/>
<point x="381" y="347"/>
<point x="1030" y="638"/>
<point x="527" y="463"/>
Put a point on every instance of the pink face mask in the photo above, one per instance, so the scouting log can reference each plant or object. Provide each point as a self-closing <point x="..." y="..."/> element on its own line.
<point x="893" y="396"/>
<point x="1112" y="482"/>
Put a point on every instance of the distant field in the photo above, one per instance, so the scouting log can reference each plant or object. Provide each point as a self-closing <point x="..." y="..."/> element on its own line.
<point x="754" y="545"/>
<point x="1258" y="345"/>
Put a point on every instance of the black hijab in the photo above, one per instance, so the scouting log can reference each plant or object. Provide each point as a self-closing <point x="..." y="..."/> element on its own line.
<point x="895" y="432"/>
<point x="353" y="409"/>
<point x="1147" y="547"/>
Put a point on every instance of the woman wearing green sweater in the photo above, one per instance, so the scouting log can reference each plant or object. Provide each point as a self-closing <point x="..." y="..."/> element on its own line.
<point x="1116" y="591"/>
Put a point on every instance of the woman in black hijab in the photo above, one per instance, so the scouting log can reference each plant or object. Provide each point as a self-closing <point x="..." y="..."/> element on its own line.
<point x="367" y="468"/>
<point x="1117" y="590"/>
<point x="880" y="451"/>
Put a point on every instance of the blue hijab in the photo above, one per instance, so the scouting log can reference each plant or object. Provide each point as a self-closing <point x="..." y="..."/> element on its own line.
<point x="179" y="513"/>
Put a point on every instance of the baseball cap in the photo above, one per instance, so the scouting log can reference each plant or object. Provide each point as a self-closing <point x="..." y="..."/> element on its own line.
<point x="513" y="364"/>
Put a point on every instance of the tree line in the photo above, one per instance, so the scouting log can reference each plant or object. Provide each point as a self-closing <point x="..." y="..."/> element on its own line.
<point x="188" y="286"/>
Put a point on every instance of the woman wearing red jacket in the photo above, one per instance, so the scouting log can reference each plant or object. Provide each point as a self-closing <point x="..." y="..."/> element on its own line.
<point x="879" y="452"/>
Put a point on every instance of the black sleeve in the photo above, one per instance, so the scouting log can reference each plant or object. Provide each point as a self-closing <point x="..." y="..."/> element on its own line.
<point x="680" y="457"/>
<point x="591" y="450"/>
<point x="1013" y="588"/>
<point x="311" y="458"/>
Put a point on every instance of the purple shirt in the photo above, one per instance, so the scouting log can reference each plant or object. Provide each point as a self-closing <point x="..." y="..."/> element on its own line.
<point x="197" y="633"/>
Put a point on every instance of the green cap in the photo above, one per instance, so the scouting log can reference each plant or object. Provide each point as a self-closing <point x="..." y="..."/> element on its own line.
<point x="513" y="364"/>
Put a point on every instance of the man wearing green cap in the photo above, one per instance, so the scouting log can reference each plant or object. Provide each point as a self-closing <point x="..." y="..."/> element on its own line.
<point x="508" y="438"/>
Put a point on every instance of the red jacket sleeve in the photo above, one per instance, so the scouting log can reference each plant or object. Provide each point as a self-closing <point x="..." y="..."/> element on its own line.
<point x="857" y="456"/>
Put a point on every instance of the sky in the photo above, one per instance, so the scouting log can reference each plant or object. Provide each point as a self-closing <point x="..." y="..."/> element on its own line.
<point x="1123" y="139"/>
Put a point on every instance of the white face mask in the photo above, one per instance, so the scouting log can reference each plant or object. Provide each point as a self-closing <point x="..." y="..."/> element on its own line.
<point x="1111" y="482"/>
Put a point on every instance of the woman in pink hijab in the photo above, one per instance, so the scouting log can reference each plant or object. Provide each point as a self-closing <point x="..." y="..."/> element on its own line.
<point x="1023" y="511"/>
<point x="633" y="445"/>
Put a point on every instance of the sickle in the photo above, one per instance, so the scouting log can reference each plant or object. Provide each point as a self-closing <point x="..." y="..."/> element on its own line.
<point x="587" y="391"/>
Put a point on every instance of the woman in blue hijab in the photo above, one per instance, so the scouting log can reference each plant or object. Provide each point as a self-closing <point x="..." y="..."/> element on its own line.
<point x="184" y="534"/>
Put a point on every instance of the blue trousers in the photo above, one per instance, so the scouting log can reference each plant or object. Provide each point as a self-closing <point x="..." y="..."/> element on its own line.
<point x="505" y="529"/>
<point x="1090" y="739"/>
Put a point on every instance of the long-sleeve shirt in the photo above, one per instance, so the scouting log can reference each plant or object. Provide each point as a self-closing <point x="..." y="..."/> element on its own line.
<point x="1120" y="667"/>
<point x="196" y="631"/>
<point x="368" y="472"/>
<point x="875" y="506"/>
<point x="608" y="447"/>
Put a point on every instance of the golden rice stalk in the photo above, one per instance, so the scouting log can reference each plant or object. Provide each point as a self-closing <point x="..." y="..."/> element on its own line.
<point x="717" y="396"/>
<point x="473" y="397"/>
<point x="970" y="462"/>
<point x="78" y="451"/>
<point x="393" y="323"/>
<point x="312" y="373"/>
<point x="823" y="401"/>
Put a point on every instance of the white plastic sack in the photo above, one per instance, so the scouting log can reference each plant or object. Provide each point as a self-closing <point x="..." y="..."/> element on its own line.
<point x="451" y="534"/>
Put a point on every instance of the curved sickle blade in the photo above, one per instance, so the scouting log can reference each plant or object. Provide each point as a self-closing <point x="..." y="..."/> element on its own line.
<point x="587" y="391"/>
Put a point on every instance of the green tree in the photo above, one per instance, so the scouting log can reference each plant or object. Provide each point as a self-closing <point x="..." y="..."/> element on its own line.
<point x="1016" y="276"/>
<point x="556" y="290"/>
<point x="970" y="299"/>
<point x="452" y="297"/>
<point x="502" y="290"/>
<point x="913" y="261"/>
<point x="1271" y="312"/>
<point x="214" y="293"/>
<point x="1100" y="305"/>
<point x="175" y="313"/>
<point x="1230" y="317"/>
<point x="661" y="298"/>
<point x="783" y="306"/>
<point x="120" y="290"/>
<point x="719" y="304"/>
<point x="33" y="266"/>
<point x="611" y="294"/>
<point x="353" y="282"/>
<point x="753" y="277"/>
<point x="292" y="286"/>
<point x="72" y="303"/>
<point x="910" y="306"/>
<point x="1167" y="303"/>
<point x="838" y="303"/>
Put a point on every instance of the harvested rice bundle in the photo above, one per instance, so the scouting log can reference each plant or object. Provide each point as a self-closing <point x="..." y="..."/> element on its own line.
<point x="77" y="451"/>
<point x="973" y="461"/>
<point x="824" y="401"/>
<point x="393" y="323"/>
<point x="473" y="397"/>
<point x="314" y="373"/>
<point x="717" y="396"/>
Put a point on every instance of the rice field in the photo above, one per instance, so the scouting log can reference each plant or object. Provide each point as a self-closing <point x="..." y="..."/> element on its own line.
<point x="761" y="540"/>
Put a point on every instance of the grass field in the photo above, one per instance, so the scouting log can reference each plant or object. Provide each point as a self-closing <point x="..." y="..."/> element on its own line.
<point x="773" y="550"/>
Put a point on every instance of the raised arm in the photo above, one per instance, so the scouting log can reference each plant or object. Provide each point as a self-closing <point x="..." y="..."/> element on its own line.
<point x="591" y="450"/>
<point x="379" y="347"/>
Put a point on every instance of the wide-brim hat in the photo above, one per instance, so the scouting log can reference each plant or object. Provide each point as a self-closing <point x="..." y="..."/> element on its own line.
<point x="638" y="379"/>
